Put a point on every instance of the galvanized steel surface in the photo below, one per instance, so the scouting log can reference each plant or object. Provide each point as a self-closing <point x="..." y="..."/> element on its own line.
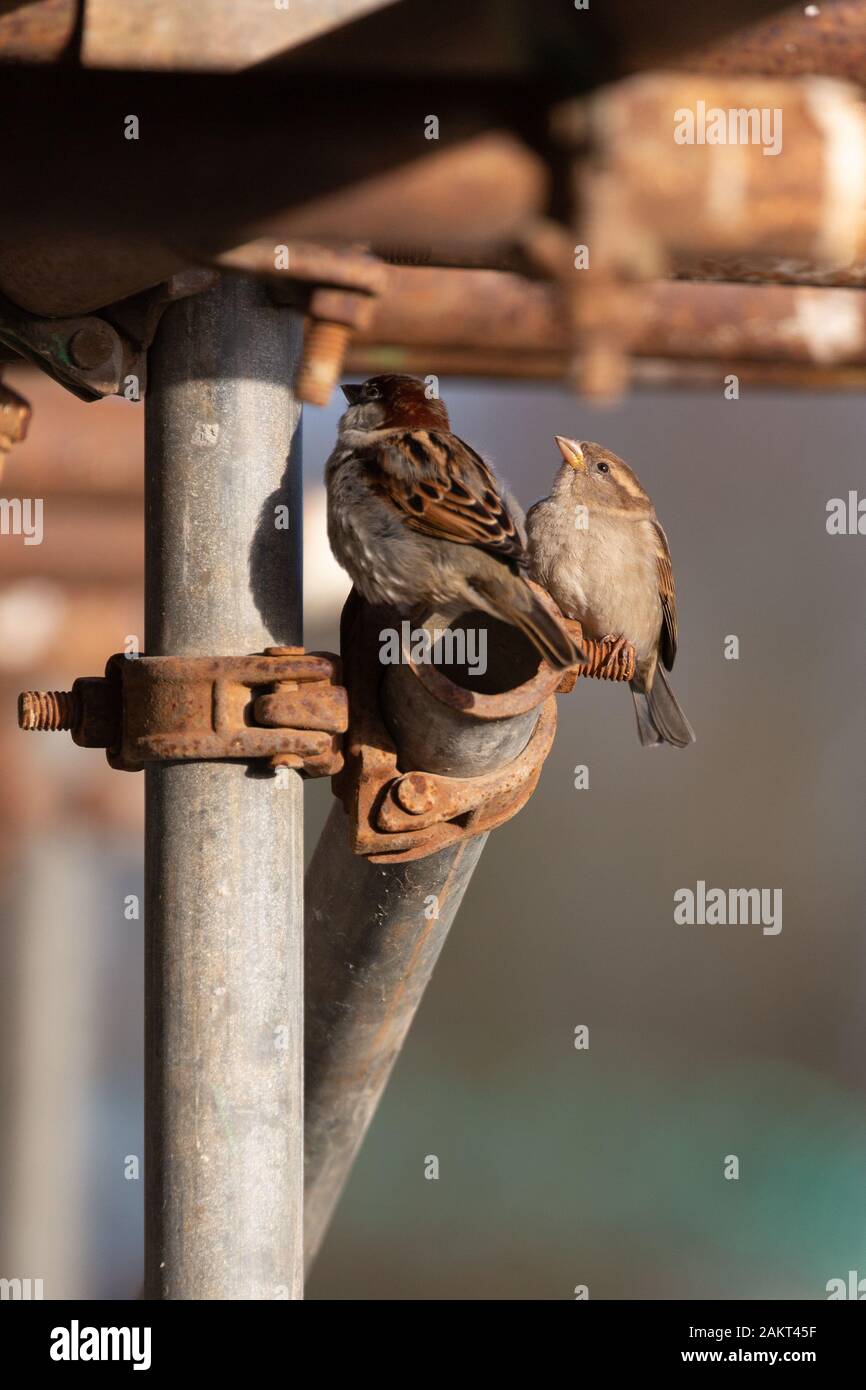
<point x="224" y="843"/>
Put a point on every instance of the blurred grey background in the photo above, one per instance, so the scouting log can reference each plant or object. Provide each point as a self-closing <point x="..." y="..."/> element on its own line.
<point x="602" y="1167"/>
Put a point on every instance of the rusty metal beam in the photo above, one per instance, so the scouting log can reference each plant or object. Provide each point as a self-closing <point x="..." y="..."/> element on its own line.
<point x="647" y="373"/>
<point x="443" y="311"/>
<point x="770" y="270"/>
<point x="467" y="198"/>
<point x="216" y="153"/>
<point x="210" y="35"/>
<point x="803" y="200"/>
<point x="526" y="37"/>
<point x="410" y="212"/>
<point x="492" y="323"/>
<point x="218" y="163"/>
<point x="482" y="36"/>
<point x="768" y="169"/>
<point x="824" y="40"/>
<point x="656" y="374"/>
<point x="441" y="306"/>
<point x="757" y="323"/>
<point x="37" y="31"/>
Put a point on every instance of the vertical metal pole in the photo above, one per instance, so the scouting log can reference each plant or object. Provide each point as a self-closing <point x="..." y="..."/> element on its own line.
<point x="224" y="908"/>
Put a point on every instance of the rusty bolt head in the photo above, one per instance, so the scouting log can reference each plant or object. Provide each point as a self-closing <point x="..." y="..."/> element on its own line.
<point x="416" y="793"/>
<point x="92" y="345"/>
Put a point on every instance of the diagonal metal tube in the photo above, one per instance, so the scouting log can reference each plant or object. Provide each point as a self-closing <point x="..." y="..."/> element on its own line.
<point x="375" y="930"/>
<point x="370" y="951"/>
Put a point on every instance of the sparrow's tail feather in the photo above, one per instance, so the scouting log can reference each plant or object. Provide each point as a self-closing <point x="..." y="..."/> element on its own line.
<point x="549" y="636"/>
<point x="519" y="606"/>
<point x="659" y="717"/>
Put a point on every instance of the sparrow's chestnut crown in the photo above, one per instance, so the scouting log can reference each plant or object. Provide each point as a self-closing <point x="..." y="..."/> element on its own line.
<point x="401" y="401"/>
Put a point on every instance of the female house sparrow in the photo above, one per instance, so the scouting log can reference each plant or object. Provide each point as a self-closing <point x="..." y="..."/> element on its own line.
<point x="417" y="519"/>
<point x="613" y="574"/>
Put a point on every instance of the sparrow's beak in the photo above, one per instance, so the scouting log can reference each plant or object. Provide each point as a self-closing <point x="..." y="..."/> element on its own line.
<point x="571" y="452"/>
<point x="352" y="394"/>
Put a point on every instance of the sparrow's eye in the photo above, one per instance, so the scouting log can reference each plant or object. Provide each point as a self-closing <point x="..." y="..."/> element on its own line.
<point x="372" y="393"/>
<point x="603" y="467"/>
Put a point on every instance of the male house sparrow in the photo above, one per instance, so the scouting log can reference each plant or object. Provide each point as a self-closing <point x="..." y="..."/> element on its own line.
<point x="598" y="548"/>
<point x="417" y="519"/>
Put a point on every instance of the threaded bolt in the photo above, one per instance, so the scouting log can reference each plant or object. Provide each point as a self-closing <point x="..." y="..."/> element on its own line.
<point x="325" y="345"/>
<point x="47" y="710"/>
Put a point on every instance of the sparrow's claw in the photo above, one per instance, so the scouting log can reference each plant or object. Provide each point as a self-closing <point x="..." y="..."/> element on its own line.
<point x="616" y="655"/>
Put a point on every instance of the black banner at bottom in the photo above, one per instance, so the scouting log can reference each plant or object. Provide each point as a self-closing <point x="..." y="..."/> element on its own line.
<point x="81" y="1339"/>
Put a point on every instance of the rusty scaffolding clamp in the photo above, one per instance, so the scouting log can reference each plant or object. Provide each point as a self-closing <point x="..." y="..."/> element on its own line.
<point x="414" y="801"/>
<point x="334" y="286"/>
<point x="95" y="355"/>
<point x="284" y="705"/>
<point x="397" y="815"/>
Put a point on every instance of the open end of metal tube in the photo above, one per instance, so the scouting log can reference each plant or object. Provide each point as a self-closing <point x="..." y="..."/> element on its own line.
<point x="497" y="658"/>
<point x="469" y="707"/>
<point x="486" y="667"/>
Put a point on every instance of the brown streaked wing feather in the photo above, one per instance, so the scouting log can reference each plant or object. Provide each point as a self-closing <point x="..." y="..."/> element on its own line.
<point x="444" y="489"/>
<point x="668" y="596"/>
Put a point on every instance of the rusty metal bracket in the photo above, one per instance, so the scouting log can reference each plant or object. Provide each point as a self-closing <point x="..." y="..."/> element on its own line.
<point x="94" y="355"/>
<point x="418" y="800"/>
<point x="285" y="705"/>
<point x="85" y="354"/>
<point x="335" y="286"/>
<point x="398" y="815"/>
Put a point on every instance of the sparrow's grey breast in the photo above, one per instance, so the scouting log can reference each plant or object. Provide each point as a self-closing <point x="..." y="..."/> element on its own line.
<point x="388" y="562"/>
<point x="601" y="567"/>
<point x="367" y="537"/>
<point x="597" y="546"/>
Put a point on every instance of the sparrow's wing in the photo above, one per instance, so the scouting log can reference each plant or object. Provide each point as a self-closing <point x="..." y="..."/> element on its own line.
<point x="444" y="489"/>
<point x="668" y="596"/>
